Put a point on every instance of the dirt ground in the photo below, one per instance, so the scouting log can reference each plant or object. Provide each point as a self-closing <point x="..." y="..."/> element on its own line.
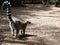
<point x="44" y="30"/>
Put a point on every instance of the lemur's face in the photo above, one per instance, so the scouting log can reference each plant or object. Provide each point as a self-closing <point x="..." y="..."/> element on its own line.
<point x="28" y="22"/>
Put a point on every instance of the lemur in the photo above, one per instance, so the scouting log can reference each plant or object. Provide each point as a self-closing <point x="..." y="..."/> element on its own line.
<point x="14" y="25"/>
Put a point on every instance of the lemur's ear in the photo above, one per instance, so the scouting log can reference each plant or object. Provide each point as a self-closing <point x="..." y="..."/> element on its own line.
<point x="26" y="20"/>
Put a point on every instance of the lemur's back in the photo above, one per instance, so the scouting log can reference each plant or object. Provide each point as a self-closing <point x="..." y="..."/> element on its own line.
<point x="18" y="25"/>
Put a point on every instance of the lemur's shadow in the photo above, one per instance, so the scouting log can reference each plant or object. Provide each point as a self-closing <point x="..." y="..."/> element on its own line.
<point x="25" y="37"/>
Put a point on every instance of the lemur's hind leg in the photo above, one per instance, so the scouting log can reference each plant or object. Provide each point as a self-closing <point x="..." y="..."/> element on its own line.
<point x="17" y="32"/>
<point x="11" y="28"/>
<point x="21" y="31"/>
<point x="12" y="31"/>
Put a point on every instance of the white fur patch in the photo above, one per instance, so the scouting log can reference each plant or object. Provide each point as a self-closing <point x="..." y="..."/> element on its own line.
<point x="26" y="20"/>
<point x="15" y="19"/>
<point x="5" y="1"/>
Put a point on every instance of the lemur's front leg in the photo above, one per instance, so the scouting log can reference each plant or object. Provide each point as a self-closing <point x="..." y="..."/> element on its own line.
<point x="23" y="31"/>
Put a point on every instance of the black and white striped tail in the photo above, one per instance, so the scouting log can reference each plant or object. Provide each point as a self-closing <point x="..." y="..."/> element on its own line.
<point x="6" y="5"/>
<point x="8" y="8"/>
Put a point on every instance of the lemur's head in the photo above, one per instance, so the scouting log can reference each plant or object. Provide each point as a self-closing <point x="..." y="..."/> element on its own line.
<point x="27" y="21"/>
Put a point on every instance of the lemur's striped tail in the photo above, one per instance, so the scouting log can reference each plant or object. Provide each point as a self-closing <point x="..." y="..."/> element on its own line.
<point x="9" y="11"/>
<point x="6" y="5"/>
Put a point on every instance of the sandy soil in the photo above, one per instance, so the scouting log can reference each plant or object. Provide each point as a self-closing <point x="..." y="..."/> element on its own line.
<point x="44" y="30"/>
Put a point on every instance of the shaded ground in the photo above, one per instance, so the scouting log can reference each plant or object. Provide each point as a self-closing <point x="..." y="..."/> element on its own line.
<point x="44" y="30"/>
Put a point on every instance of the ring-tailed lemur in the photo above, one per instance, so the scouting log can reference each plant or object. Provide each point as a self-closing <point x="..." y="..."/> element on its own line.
<point x="14" y="25"/>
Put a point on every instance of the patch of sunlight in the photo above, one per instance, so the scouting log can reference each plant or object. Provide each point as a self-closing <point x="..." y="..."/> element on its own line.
<point x="53" y="12"/>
